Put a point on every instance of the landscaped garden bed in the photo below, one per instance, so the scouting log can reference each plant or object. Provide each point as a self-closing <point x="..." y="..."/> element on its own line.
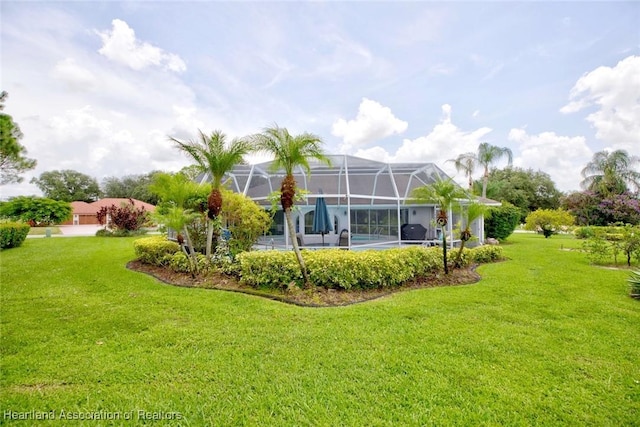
<point x="337" y="277"/>
<point x="312" y="297"/>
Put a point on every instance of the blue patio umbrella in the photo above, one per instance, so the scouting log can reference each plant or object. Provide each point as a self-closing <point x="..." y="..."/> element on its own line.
<point x="321" y="219"/>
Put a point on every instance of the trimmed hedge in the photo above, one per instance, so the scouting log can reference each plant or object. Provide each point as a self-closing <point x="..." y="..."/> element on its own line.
<point x="339" y="269"/>
<point x="179" y="262"/>
<point x="155" y="250"/>
<point x="12" y="234"/>
<point x="487" y="253"/>
<point x="500" y="222"/>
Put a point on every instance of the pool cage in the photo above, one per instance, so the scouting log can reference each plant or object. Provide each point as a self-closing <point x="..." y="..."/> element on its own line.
<point x="368" y="203"/>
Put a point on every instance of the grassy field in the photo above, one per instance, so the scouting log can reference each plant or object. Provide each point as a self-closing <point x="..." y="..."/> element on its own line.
<point x="542" y="339"/>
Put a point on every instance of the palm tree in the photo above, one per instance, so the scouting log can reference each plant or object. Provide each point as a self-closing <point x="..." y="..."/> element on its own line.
<point x="446" y="194"/>
<point x="611" y="173"/>
<point x="175" y="193"/>
<point x="487" y="155"/>
<point x="214" y="156"/>
<point x="471" y="213"/>
<point x="466" y="163"/>
<point x="290" y="151"/>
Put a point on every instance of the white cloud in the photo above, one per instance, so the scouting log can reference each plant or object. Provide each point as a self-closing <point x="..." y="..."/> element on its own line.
<point x="445" y="141"/>
<point x="374" y="121"/>
<point x="616" y="93"/>
<point x="120" y="45"/>
<point x="73" y="75"/>
<point x="562" y="157"/>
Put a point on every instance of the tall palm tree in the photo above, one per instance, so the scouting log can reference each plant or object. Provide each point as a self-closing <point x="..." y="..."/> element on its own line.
<point x="487" y="155"/>
<point x="466" y="163"/>
<point x="290" y="151"/>
<point x="214" y="156"/>
<point x="446" y="194"/>
<point x="611" y="173"/>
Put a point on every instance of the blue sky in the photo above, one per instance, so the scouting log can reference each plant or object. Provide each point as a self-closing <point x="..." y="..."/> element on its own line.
<point x="99" y="86"/>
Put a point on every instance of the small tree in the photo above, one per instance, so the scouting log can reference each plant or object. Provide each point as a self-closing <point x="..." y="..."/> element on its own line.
<point x="13" y="160"/>
<point x="471" y="213"/>
<point x="36" y="211"/>
<point x="548" y="221"/>
<point x="290" y="152"/>
<point x="178" y="195"/>
<point x="446" y="194"/>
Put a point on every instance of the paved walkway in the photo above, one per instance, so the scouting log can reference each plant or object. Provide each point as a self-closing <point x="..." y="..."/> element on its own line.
<point x="73" y="230"/>
<point x="79" y="230"/>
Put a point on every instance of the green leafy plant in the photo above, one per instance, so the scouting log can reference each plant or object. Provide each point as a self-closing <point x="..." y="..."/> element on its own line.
<point x="12" y="234"/>
<point x="446" y="194"/>
<point x="500" y="222"/>
<point x="155" y="249"/>
<point x="368" y="269"/>
<point x="36" y="211"/>
<point x="487" y="253"/>
<point x="548" y="221"/>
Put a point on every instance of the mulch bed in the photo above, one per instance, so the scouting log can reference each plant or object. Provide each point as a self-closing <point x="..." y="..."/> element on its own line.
<point x="315" y="297"/>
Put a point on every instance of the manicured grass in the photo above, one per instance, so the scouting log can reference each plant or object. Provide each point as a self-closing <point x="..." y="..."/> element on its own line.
<point x="543" y="339"/>
<point x="41" y="231"/>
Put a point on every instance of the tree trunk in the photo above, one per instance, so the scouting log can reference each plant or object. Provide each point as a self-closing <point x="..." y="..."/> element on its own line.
<point x="296" y="249"/>
<point x="465" y="236"/>
<point x="214" y="203"/>
<point x="208" y="250"/>
<point x="191" y="256"/>
<point x="444" y="251"/>
<point x="485" y="181"/>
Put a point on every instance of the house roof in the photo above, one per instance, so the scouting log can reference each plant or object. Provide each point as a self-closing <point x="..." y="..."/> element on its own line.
<point x="361" y="181"/>
<point x="84" y="208"/>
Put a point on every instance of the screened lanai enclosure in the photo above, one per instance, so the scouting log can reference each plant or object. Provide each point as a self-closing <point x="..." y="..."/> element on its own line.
<point x="368" y="203"/>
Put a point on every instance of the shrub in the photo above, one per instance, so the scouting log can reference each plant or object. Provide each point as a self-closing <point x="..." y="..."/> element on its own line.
<point x="154" y="250"/>
<point x="245" y="220"/>
<point x="597" y="249"/>
<point x="464" y="261"/>
<point x="486" y="253"/>
<point x="12" y="234"/>
<point x="180" y="263"/>
<point x="548" y="221"/>
<point x="125" y="217"/>
<point x="585" y="232"/>
<point x="271" y="269"/>
<point x="500" y="222"/>
<point x="605" y="242"/>
<point x="338" y="269"/>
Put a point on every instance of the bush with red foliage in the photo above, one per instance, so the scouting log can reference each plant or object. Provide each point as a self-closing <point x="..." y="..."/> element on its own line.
<point x="124" y="217"/>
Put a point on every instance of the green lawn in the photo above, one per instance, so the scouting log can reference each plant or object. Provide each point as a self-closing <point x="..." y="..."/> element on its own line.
<point x="543" y="339"/>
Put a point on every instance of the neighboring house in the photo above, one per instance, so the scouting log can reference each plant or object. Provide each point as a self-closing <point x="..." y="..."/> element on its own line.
<point x="368" y="202"/>
<point x="85" y="213"/>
